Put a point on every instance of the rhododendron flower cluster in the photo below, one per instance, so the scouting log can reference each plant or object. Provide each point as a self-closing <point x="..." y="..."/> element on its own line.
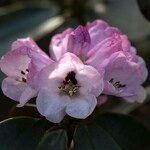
<point x="85" y="65"/>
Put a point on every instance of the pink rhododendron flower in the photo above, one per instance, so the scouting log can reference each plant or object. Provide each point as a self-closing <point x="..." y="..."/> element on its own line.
<point x="124" y="76"/>
<point x="86" y="41"/>
<point x="17" y="65"/>
<point x="75" y="41"/>
<point x="105" y="48"/>
<point x="68" y="87"/>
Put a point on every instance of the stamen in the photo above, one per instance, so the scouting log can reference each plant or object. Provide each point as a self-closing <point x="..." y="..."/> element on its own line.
<point x="124" y="85"/>
<point x="24" y="80"/>
<point x="70" y="86"/>
<point x="22" y="72"/>
<point x="117" y="84"/>
<point x="27" y="70"/>
<point x="111" y="80"/>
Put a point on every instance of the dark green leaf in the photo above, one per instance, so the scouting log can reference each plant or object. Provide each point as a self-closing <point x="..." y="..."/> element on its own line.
<point x="112" y="132"/>
<point x="21" y="133"/>
<point x="123" y="14"/>
<point x="93" y="137"/>
<point x="27" y="110"/>
<point x="56" y="140"/>
<point x="23" y="22"/>
<point x="145" y="7"/>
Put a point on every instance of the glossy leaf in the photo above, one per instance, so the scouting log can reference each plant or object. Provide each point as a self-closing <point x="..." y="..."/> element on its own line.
<point x="112" y="132"/>
<point x="21" y="133"/>
<point x="24" y="22"/>
<point x="56" y="140"/>
<point x="27" y="110"/>
<point x="145" y="8"/>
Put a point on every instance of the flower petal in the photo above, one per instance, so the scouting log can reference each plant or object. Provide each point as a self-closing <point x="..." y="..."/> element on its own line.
<point x="140" y="95"/>
<point x="91" y="80"/>
<point x="126" y="45"/>
<point x="35" y="66"/>
<point x="33" y="50"/>
<point x="104" y="50"/>
<point x="141" y="69"/>
<point x="26" y="96"/>
<point x="59" y="44"/>
<point x="25" y="42"/>
<point x="99" y="30"/>
<point x="52" y="105"/>
<point x="13" y="89"/>
<point x="55" y="73"/>
<point x="109" y="88"/>
<point x="79" y="41"/>
<point x="81" y="106"/>
<point x="14" y="62"/>
<point x="38" y="59"/>
<point x="123" y="69"/>
<point x="17" y="60"/>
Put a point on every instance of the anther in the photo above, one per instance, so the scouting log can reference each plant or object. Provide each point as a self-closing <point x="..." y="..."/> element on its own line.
<point x="123" y="85"/>
<point x="117" y="83"/>
<point x="27" y="70"/>
<point x="111" y="80"/>
<point x="24" y="80"/>
<point x="22" y="72"/>
<point x="69" y="86"/>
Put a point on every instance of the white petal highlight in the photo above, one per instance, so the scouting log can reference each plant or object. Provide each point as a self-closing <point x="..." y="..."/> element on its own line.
<point x="52" y="105"/>
<point x="81" y="106"/>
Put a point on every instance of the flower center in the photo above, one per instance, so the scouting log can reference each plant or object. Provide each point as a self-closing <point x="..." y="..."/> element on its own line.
<point x="23" y="76"/>
<point x="117" y="84"/>
<point x="70" y="85"/>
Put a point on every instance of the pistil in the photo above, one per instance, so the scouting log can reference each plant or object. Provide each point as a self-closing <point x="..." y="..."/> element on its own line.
<point x="70" y="85"/>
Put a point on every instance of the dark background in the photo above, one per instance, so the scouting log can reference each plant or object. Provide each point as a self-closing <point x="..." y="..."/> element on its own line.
<point x="41" y="19"/>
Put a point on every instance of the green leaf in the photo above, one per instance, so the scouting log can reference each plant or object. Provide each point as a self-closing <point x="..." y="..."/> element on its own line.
<point x="145" y="8"/>
<point x="27" y="110"/>
<point x="21" y="133"/>
<point x="124" y="14"/>
<point x="56" y="140"/>
<point x="24" y="22"/>
<point x="112" y="132"/>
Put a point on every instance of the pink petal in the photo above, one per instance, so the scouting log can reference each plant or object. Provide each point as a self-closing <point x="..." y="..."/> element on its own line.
<point x="27" y="94"/>
<point x="35" y="66"/>
<point x="52" y="105"/>
<point x="141" y="69"/>
<point x="75" y="41"/>
<point x="109" y="89"/>
<point x="25" y="54"/>
<point x="27" y="43"/>
<point x="104" y="50"/>
<point x="59" y="44"/>
<point x="126" y="45"/>
<point x="56" y="72"/>
<point x="32" y="49"/>
<point x="13" y="89"/>
<point x="79" y="41"/>
<point x="121" y="68"/>
<point x="129" y="73"/>
<point x="14" y="62"/>
<point x="99" y="30"/>
<point x="140" y="95"/>
<point x="82" y="106"/>
<point x="91" y="80"/>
